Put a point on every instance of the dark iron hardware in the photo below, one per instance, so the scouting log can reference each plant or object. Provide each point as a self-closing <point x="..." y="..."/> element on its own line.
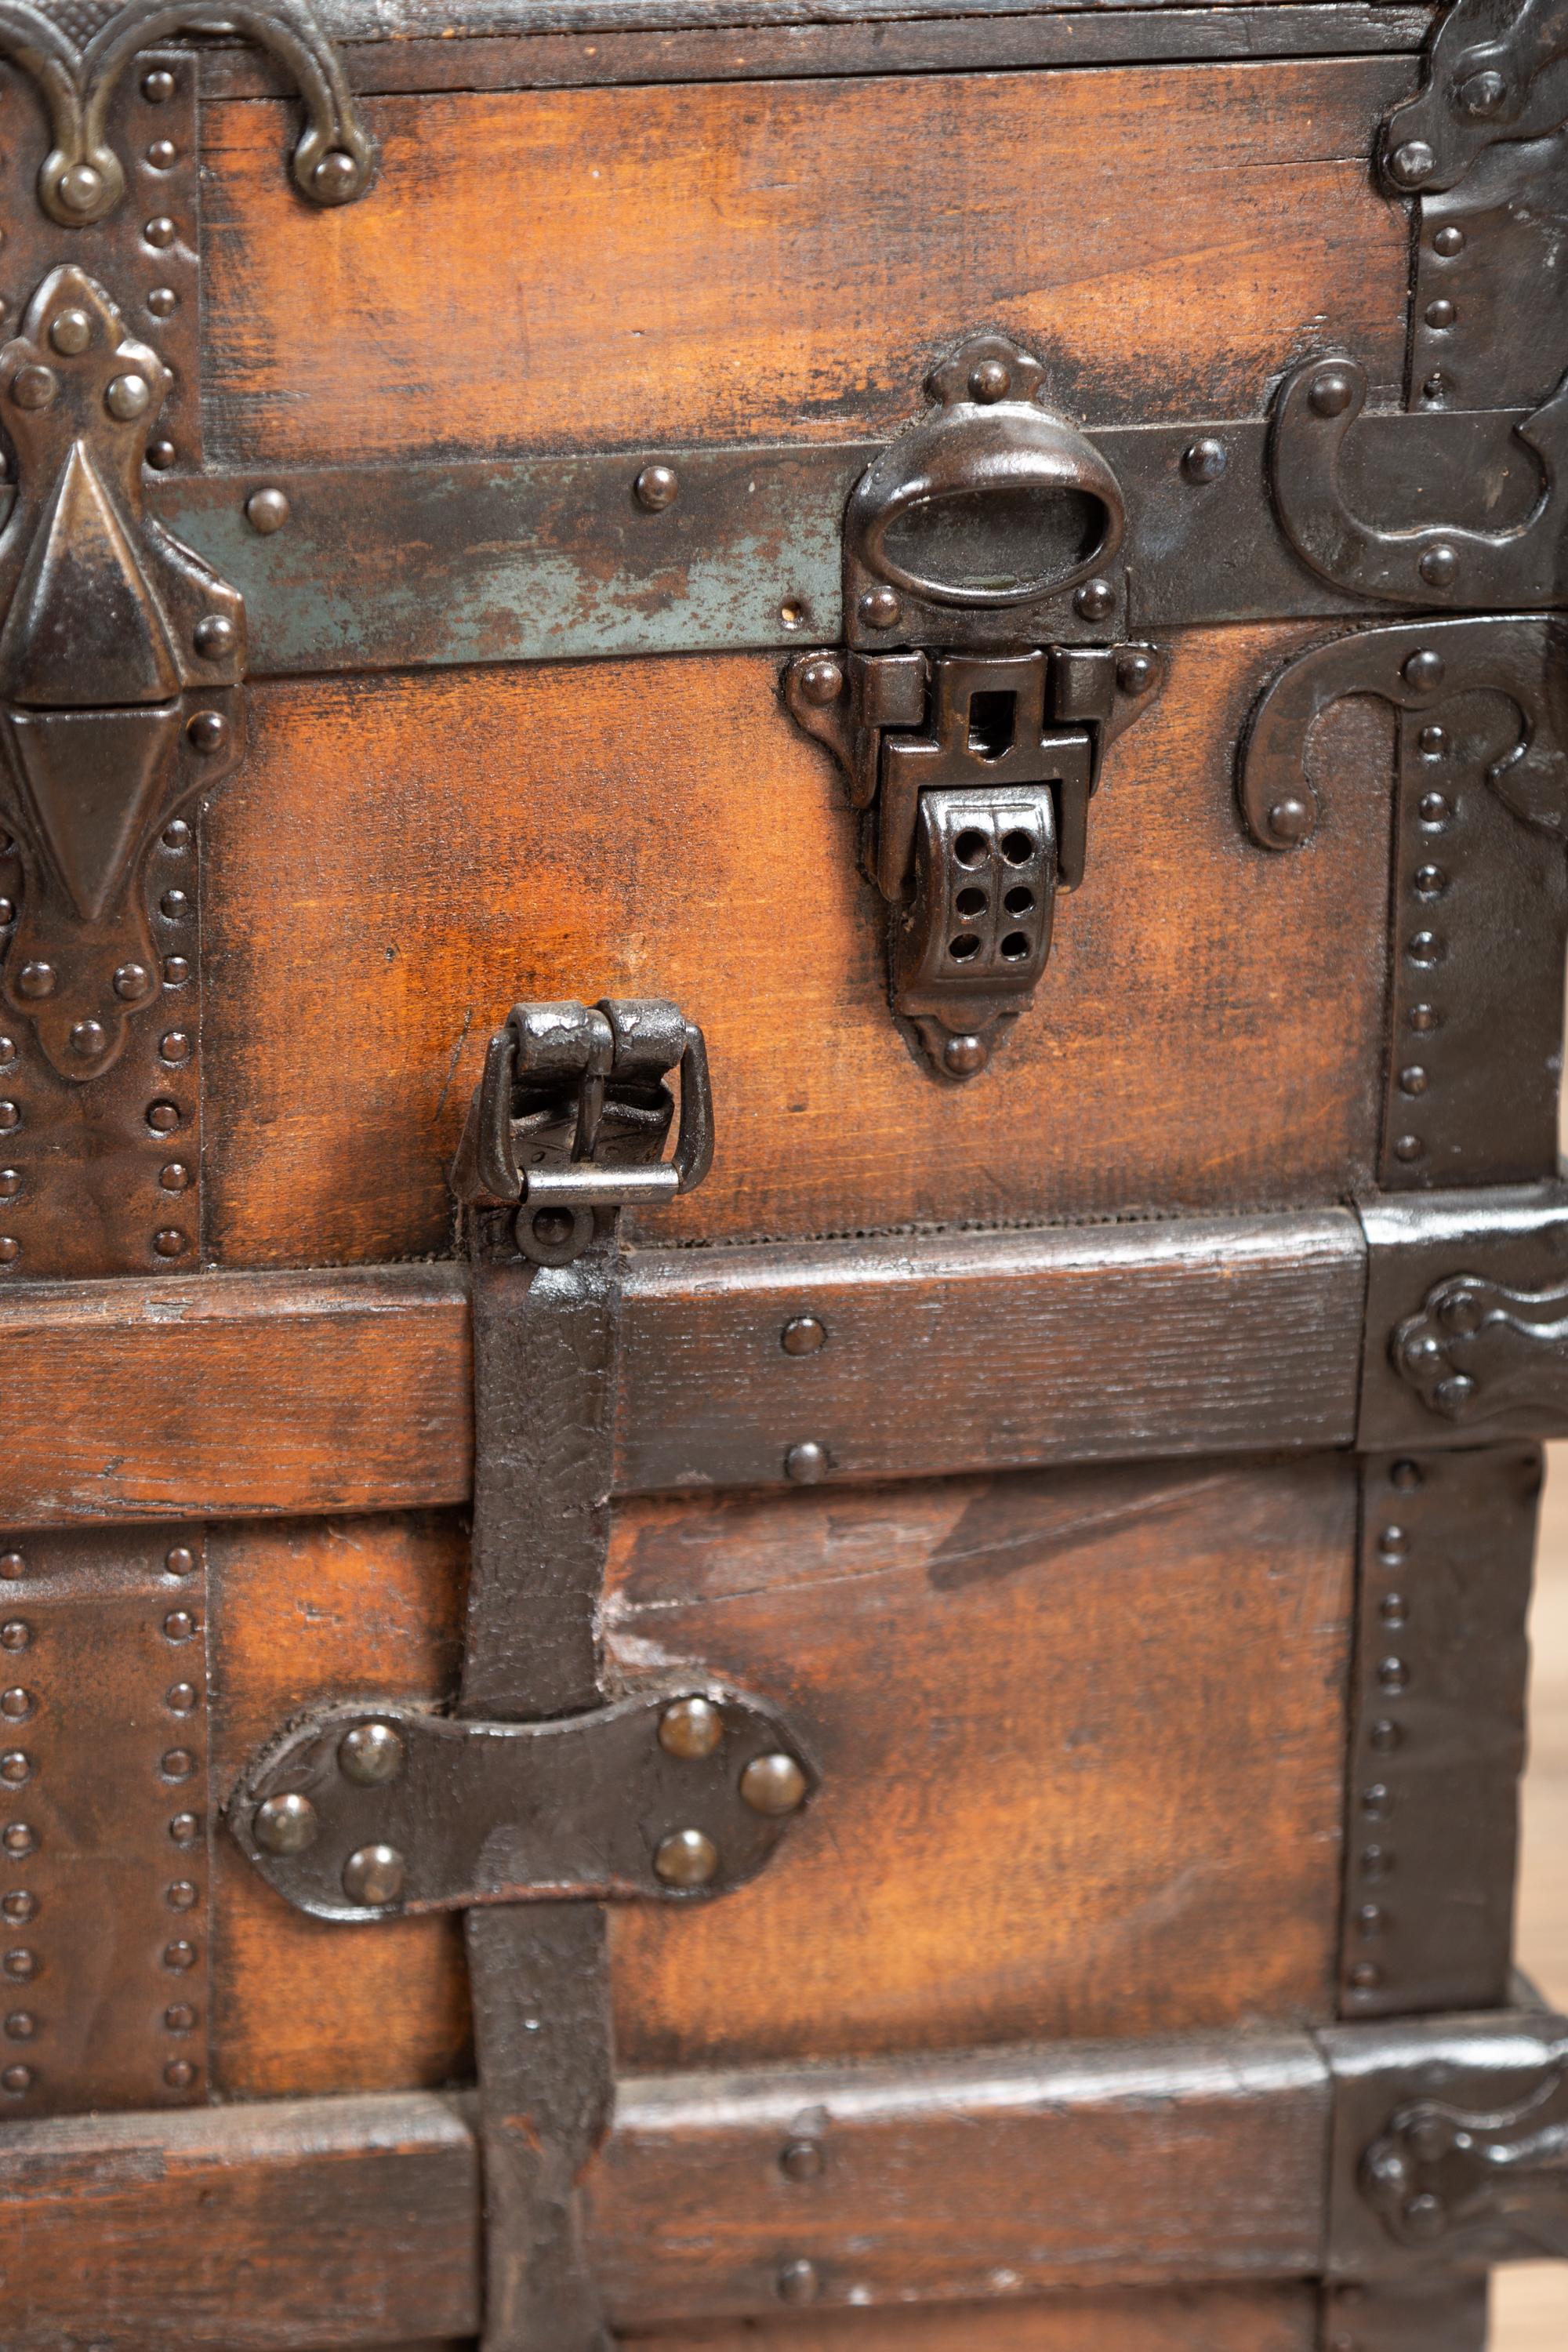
<point x="1492" y="74"/>
<point x="1466" y="1319"/>
<point x="1481" y="769"/>
<point x="578" y="1094"/>
<point x="1431" y="563"/>
<point x="566" y="1082"/>
<point x="973" y="756"/>
<point x="121" y="658"/>
<point x="83" y="180"/>
<point x="1419" y="666"/>
<point x="1442" y="2172"/>
<point x="1437" y="1697"/>
<point x="366" y="1813"/>
<point x="1450" y="2143"/>
<point x="1480" y="1348"/>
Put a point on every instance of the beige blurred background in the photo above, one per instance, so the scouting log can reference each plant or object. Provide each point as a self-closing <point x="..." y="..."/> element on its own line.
<point x="1531" y="2304"/>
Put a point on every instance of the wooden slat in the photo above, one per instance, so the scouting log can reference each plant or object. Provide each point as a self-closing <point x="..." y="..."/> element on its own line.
<point x="228" y="1395"/>
<point x="1190" y="2319"/>
<point x="993" y="1350"/>
<point x="976" y="2178"/>
<point x="963" y="2178"/>
<point x="340" y="2222"/>
<point x="232" y="1395"/>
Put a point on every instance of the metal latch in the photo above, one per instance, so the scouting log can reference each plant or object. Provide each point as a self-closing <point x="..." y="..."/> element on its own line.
<point x="986" y="536"/>
<point x="571" y="1114"/>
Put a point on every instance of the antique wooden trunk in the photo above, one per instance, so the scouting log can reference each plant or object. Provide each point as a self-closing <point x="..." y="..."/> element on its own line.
<point x="784" y="788"/>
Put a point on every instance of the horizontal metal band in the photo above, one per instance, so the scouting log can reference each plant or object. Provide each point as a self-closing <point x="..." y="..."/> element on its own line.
<point x="984" y="2178"/>
<point x="226" y="1395"/>
<point x="553" y="559"/>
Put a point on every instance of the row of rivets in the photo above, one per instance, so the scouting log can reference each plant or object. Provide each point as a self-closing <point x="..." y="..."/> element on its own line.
<point x="806" y="1463"/>
<point x="175" y="1765"/>
<point x="19" y="1840"/>
<point x="1424" y="948"/>
<point x="1386" y="1678"/>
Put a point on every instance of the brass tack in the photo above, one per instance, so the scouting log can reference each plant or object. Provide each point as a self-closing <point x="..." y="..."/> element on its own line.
<point x="371" y="1754"/>
<point x="286" y="1824"/>
<point x="691" y="1729"/>
<point x="687" y="1858"/>
<point x="773" y="1784"/>
<point x="375" y="1874"/>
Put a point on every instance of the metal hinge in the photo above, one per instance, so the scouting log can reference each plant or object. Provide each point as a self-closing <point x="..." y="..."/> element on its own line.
<point x="973" y="752"/>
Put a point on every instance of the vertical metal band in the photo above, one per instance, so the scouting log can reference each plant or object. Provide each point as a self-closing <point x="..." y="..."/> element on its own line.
<point x="104" y="1879"/>
<point x="1480" y="915"/>
<point x="103" y="1175"/>
<point x="545" y="1343"/>
<point x="1437" y="1729"/>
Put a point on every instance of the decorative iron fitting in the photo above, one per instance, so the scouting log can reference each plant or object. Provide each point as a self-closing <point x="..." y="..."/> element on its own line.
<point x="1440" y="564"/>
<point x="1493" y="74"/>
<point x="83" y="180"/>
<point x="1481" y="768"/>
<point x="121" y="657"/>
<point x="364" y="1814"/>
<point x="1450" y="2143"/>
<point x="973" y="755"/>
<point x="1466" y="1319"/>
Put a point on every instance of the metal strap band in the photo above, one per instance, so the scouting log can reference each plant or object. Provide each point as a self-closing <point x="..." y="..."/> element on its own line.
<point x="545" y="1344"/>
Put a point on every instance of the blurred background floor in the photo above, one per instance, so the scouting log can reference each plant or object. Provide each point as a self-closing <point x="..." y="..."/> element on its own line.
<point x="1530" y="2303"/>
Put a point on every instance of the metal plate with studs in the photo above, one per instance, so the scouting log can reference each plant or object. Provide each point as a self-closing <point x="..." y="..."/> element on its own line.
<point x="362" y="1814"/>
<point x="1480" y="888"/>
<point x="104" y="1878"/>
<point x="1437" y="1729"/>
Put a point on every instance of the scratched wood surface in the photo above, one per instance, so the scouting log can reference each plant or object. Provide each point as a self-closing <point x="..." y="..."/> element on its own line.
<point x="631" y="267"/>
<point x="302" y="1613"/>
<point x="1209" y="1032"/>
<point x="1082" y="1741"/>
<point x="1080" y="1734"/>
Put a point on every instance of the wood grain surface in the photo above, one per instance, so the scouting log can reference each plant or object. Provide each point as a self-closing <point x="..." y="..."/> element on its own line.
<point x="190" y="1396"/>
<point x="970" y="2176"/>
<point x="307" y="1611"/>
<point x="1081" y="1739"/>
<point x="1196" y="2319"/>
<point x="228" y="1395"/>
<point x="1208" y="1033"/>
<point x="269" y="2224"/>
<point x="1076" y="1344"/>
<point x="250" y="2230"/>
<point x="1080" y="1735"/>
<point x="649" y="265"/>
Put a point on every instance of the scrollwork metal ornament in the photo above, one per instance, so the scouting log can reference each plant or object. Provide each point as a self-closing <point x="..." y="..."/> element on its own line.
<point x="1478" y="2180"/>
<point x="1493" y="73"/>
<point x="82" y="179"/>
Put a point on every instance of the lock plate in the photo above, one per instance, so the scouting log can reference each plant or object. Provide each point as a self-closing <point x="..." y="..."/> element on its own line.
<point x="973" y="752"/>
